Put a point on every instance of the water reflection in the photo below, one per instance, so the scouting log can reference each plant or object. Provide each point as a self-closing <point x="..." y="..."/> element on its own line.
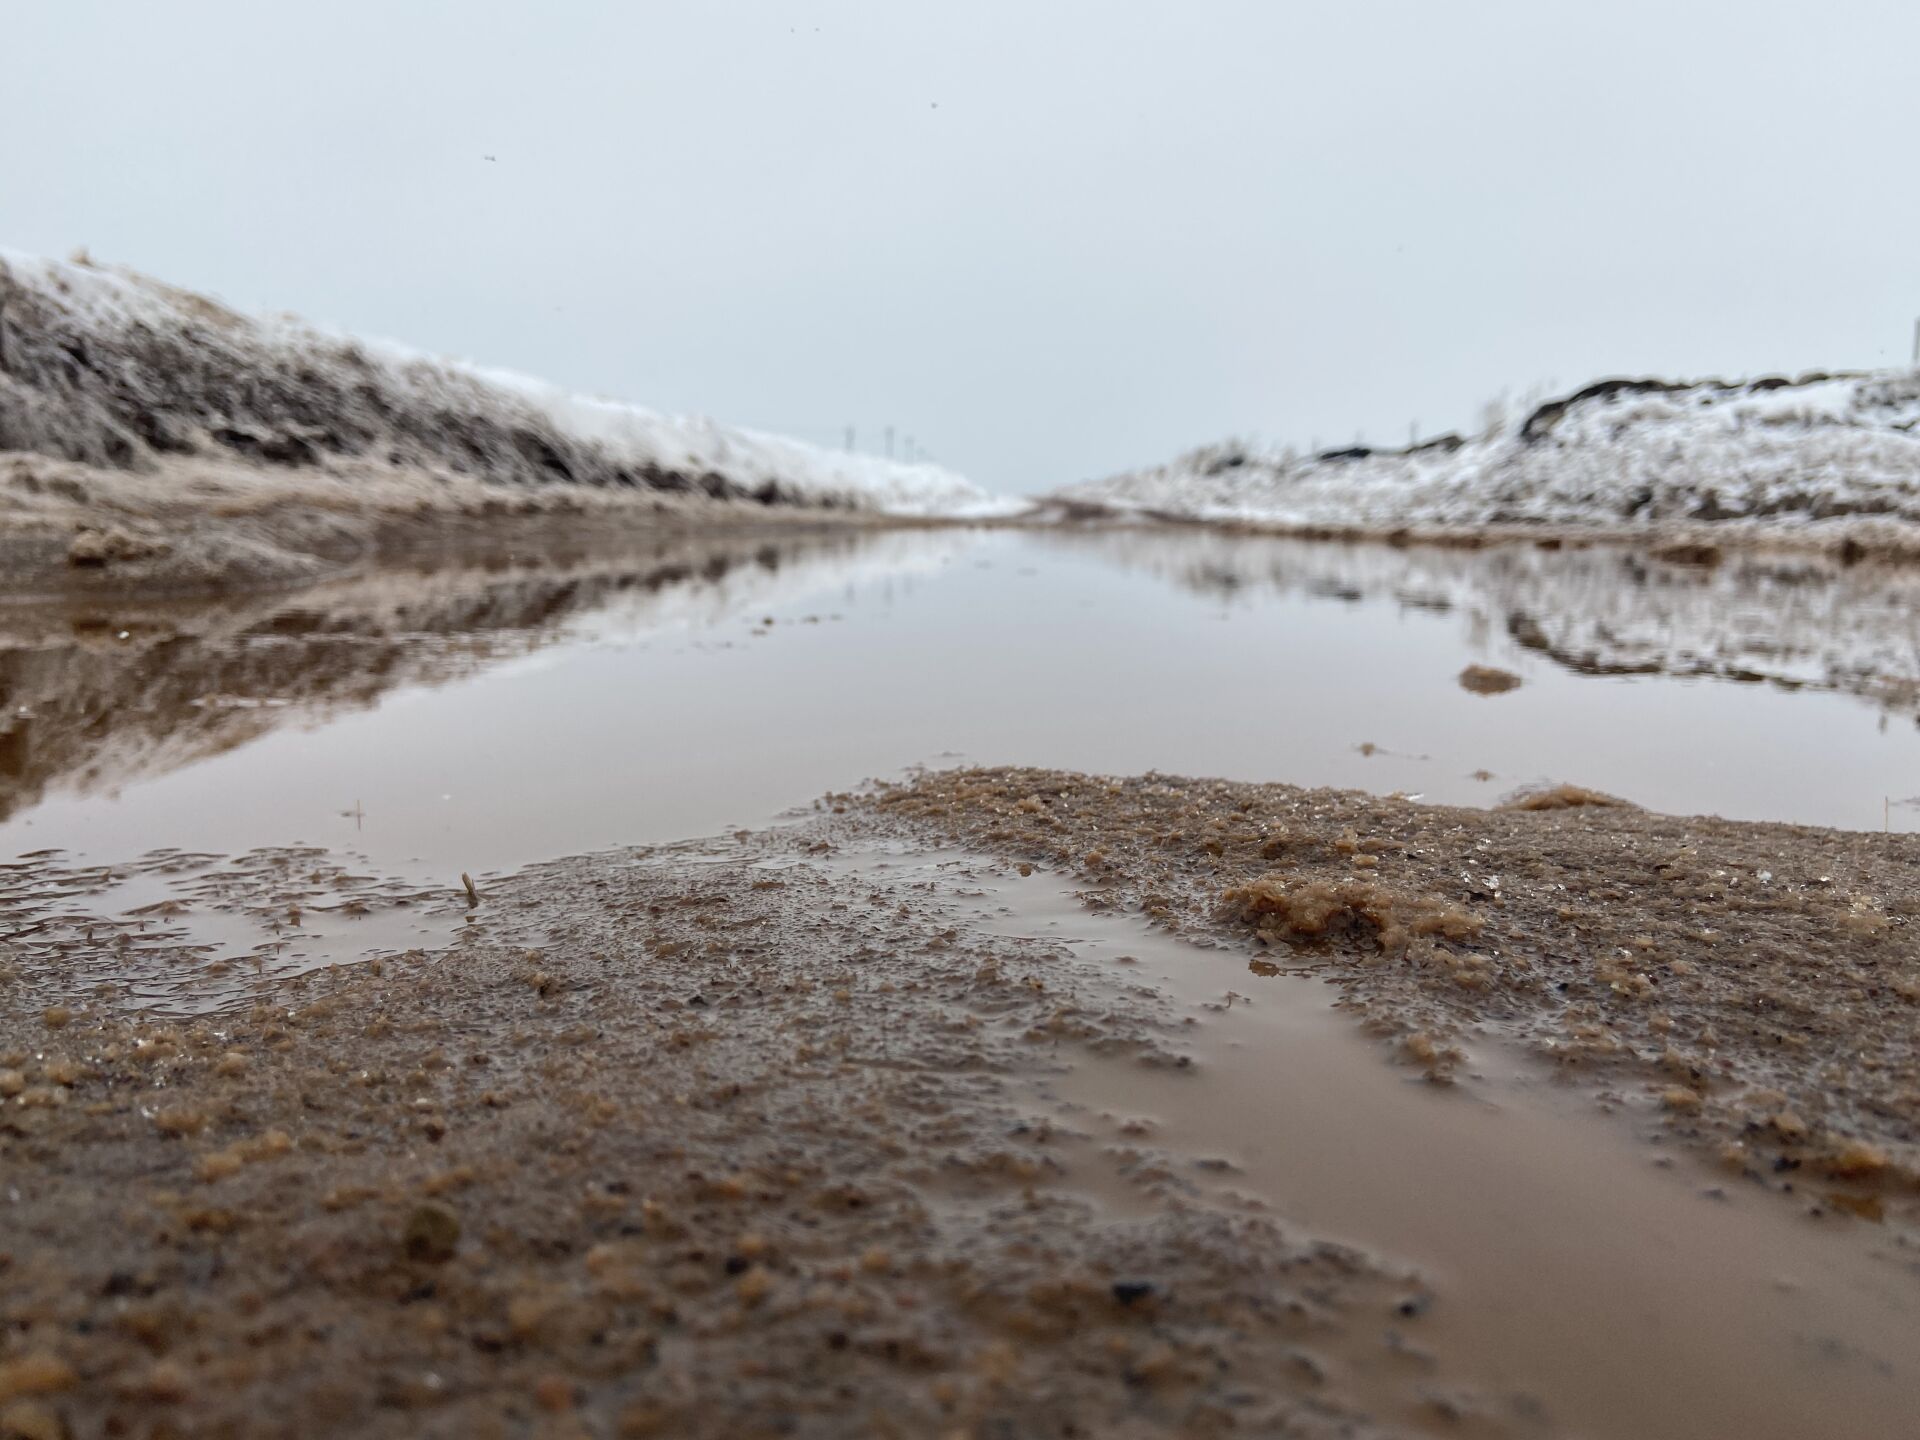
<point x="97" y="696"/>
<point x="483" y="715"/>
<point x="1791" y="620"/>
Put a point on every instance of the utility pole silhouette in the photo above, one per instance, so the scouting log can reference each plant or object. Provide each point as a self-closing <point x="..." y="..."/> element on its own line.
<point x="889" y="442"/>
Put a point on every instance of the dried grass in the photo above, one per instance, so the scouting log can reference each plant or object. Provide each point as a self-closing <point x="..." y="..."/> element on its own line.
<point x="1563" y="797"/>
<point x="1282" y="908"/>
<point x="1488" y="680"/>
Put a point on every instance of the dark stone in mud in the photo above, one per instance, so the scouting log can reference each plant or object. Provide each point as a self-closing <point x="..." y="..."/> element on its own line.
<point x="1130" y="1292"/>
<point x="432" y="1234"/>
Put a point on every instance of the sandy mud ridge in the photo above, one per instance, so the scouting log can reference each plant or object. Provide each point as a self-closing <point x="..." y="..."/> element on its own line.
<point x="1752" y="988"/>
<point x="731" y="1141"/>
<point x="206" y="526"/>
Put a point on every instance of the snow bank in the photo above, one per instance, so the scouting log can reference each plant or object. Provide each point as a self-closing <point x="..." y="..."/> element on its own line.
<point x="110" y="367"/>
<point x="1772" y="454"/>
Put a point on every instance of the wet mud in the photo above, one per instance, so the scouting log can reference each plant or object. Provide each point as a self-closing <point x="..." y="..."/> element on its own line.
<point x="996" y="1103"/>
<point x="726" y="1140"/>
<point x="1751" y="988"/>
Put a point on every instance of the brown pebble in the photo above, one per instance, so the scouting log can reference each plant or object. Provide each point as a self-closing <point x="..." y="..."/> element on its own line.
<point x="1857" y="1157"/>
<point x="432" y="1234"/>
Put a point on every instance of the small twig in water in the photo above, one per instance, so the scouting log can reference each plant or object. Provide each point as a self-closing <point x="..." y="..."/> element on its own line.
<point x="473" y="895"/>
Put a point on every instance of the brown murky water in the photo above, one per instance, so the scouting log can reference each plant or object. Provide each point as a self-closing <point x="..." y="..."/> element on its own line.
<point x="1595" y="1284"/>
<point x="173" y="774"/>
<point x="481" y="718"/>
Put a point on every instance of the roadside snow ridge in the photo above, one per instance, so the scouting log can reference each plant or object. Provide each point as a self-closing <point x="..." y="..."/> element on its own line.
<point x="1775" y="453"/>
<point x="110" y="367"/>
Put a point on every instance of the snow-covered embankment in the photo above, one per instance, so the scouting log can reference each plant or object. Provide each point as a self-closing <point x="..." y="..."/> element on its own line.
<point x="1819" y="458"/>
<point x="113" y="369"/>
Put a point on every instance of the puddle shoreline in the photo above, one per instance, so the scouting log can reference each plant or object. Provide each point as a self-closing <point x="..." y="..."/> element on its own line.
<point x="1608" y="1293"/>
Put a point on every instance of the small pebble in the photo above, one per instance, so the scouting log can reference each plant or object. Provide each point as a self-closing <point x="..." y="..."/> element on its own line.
<point x="432" y="1234"/>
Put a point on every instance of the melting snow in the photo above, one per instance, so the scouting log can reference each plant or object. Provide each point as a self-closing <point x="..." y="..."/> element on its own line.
<point x="155" y="359"/>
<point x="1773" y="454"/>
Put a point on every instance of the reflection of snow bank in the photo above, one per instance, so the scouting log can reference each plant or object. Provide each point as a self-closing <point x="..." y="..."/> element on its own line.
<point x="188" y="682"/>
<point x="822" y="569"/>
<point x="1796" y="620"/>
<point x="110" y="367"/>
<point x="1775" y="455"/>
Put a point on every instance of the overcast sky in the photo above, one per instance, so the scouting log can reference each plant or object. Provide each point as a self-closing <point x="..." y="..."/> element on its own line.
<point x="1050" y="240"/>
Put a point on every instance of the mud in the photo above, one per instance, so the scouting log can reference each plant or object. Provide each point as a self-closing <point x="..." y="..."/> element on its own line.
<point x="776" y="1135"/>
<point x="1749" y="989"/>
<point x="198" y="526"/>
<point x="828" y="1131"/>
<point x="1683" y="541"/>
<point x="720" y="1141"/>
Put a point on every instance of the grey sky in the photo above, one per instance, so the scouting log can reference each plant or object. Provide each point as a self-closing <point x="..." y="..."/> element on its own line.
<point x="1049" y="239"/>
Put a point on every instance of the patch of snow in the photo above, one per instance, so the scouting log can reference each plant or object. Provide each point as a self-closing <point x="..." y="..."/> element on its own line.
<point x="1770" y="454"/>
<point x="102" y="365"/>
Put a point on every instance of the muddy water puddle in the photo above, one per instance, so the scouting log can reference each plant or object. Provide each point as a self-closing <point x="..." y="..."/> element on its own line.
<point x="477" y="719"/>
<point x="178" y="933"/>
<point x="1589" y="1282"/>
<point x="201" y="796"/>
